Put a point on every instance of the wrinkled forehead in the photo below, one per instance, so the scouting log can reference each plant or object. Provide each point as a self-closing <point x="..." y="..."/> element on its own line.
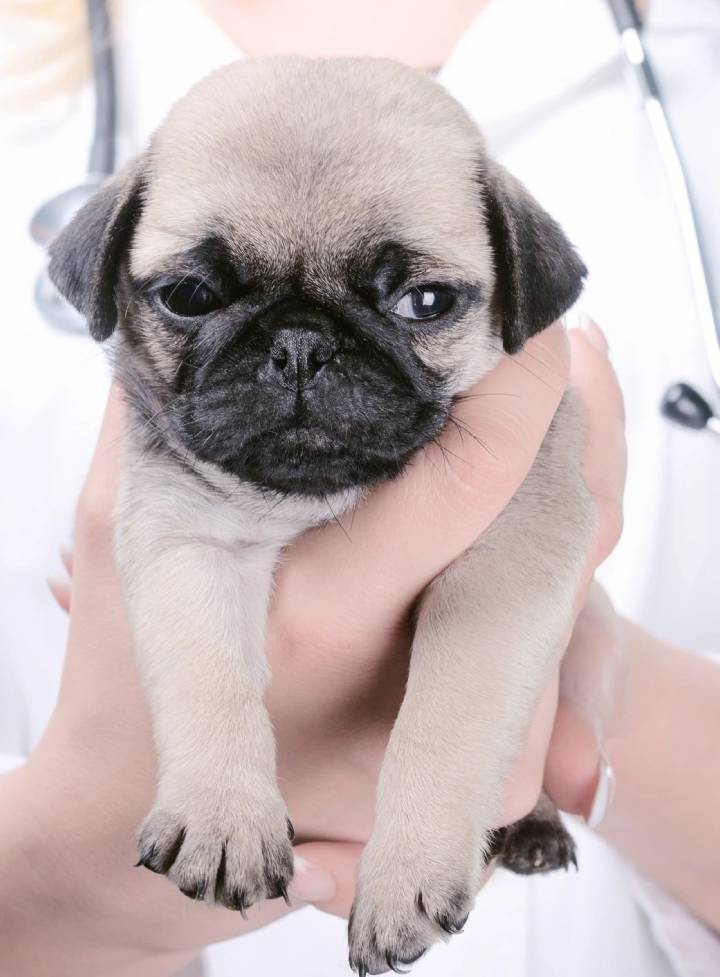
<point x="294" y="160"/>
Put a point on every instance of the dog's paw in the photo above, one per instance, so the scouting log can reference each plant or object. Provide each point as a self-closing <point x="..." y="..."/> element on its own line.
<point x="233" y="862"/>
<point x="394" y="920"/>
<point x="537" y="845"/>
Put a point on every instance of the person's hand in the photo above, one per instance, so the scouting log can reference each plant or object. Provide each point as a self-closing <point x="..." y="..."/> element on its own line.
<point x="591" y="710"/>
<point x="338" y="648"/>
<point x="594" y="659"/>
<point x="315" y="585"/>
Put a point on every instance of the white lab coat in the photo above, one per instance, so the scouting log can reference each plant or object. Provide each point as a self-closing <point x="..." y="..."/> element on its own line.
<point x="545" y="80"/>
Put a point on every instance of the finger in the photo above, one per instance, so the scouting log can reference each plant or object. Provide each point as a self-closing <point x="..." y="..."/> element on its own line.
<point x="66" y="556"/>
<point x="592" y="704"/>
<point x="572" y="760"/>
<point x="60" y="589"/>
<point x="605" y="457"/>
<point x="340" y="860"/>
<point x="571" y="767"/>
<point x="99" y="675"/>
<point x="523" y="787"/>
<point x="410" y="529"/>
<point x="95" y="507"/>
<point x="310" y="882"/>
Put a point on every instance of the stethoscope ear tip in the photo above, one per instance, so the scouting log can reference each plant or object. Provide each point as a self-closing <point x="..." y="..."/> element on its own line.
<point x="685" y="405"/>
<point x="55" y="309"/>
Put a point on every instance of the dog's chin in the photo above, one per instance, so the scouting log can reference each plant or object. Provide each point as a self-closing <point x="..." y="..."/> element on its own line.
<point x="308" y="461"/>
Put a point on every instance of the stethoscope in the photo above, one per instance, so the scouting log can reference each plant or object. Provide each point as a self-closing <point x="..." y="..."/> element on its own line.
<point x="52" y="216"/>
<point x="681" y="403"/>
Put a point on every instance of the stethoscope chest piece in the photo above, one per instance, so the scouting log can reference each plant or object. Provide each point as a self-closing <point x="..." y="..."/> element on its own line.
<point x="684" y="405"/>
<point x="46" y="223"/>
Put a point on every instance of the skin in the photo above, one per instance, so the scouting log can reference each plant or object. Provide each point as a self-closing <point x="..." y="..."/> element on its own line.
<point x="326" y="28"/>
<point x="681" y="792"/>
<point x="68" y="817"/>
<point x="421" y="33"/>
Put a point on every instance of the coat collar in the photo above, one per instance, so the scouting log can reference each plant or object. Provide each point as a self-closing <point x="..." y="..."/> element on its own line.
<point x="516" y="59"/>
<point x="522" y="58"/>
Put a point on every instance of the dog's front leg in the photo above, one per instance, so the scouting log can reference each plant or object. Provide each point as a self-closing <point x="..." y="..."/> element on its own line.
<point x="488" y="633"/>
<point x="218" y="827"/>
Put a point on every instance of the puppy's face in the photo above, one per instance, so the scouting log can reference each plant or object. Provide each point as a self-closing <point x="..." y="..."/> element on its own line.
<point x="310" y="262"/>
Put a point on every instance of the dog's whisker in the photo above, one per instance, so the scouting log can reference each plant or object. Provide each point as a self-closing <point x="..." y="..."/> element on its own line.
<point x="542" y="363"/>
<point x="453" y="420"/>
<point x="464" y="426"/>
<point x="190" y="274"/>
<point x="130" y="301"/>
<point x="449" y="453"/>
<point x="336" y="518"/>
<point x="490" y="393"/>
<point x="523" y="366"/>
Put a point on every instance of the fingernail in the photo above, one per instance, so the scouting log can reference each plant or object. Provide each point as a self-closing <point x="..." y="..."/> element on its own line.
<point x="604" y="792"/>
<point x="595" y="336"/>
<point x="60" y="591"/>
<point x="575" y="318"/>
<point x="311" y="884"/>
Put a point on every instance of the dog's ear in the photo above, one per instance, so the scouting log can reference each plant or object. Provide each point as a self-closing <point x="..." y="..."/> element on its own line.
<point x="538" y="273"/>
<point x="85" y="257"/>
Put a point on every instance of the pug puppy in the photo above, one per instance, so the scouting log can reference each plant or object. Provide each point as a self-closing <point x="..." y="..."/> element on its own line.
<point x="310" y="263"/>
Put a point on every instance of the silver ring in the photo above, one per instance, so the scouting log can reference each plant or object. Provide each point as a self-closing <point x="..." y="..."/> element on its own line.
<point x="604" y="792"/>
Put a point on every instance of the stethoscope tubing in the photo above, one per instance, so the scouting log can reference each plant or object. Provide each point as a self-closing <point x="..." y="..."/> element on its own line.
<point x="629" y="28"/>
<point x="101" y="160"/>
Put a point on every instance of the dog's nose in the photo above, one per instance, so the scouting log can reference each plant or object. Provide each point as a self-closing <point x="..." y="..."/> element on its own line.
<point x="298" y="355"/>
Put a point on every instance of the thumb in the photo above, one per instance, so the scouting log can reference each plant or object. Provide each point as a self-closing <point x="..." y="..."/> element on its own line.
<point x="408" y="530"/>
<point x="325" y="875"/>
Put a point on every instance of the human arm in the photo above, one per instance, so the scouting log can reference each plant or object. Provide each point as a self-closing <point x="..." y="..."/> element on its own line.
<point x="338" y="650"/>
<point x="665" y="814"/>
<point x="661" y="723"/>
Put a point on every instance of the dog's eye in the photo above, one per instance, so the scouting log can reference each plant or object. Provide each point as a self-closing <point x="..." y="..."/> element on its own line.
<point x="423" y="302"/>
<point x="188" y="298"/>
